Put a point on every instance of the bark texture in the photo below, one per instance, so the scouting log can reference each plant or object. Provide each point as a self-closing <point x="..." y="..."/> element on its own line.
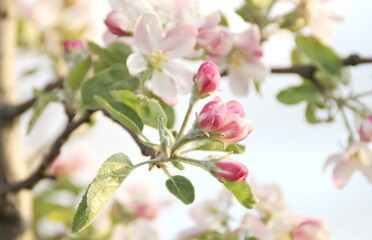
<point x="15" y="208"/>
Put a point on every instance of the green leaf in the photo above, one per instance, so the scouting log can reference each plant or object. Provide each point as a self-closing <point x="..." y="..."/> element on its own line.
<point x="243" y="193"/>
<point x="298" y="58"/>
<point x="321" y="55"/>
<point x="110" y="176"/>
<point x="251" y="11"/>
<point x="42" y="101"/>
<point x="295" y="20"/>
<point x="76" y="75"/>
<point x="182" y="188"/>
<point x="114" y="78"/>
<point x="223" y="21"/>
<point x="169" y="111"/>
<point x="117" y="114"/>
<point x="148" y="109"/>
<point x="293" y="95"/>
<point x="310" y="114"/>
<point x="116" y="52"/>
<point x="208" y="145"/>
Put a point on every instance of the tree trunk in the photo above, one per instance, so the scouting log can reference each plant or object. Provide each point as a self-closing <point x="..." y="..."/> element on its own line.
<point x="15" y="208"/>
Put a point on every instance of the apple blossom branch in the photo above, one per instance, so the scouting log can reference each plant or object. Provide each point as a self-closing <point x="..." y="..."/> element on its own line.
<point x="10" y="112"/>
<point x="308" y="71"/>
<point x="54" y="151"/>
<point x="145" y="149"/>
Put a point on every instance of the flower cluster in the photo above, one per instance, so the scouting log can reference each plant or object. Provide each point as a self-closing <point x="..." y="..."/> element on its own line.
<point x="218" y="122"/>
<point x="269" y="221"/>
<point x="357" y="156"/>
<point x="172" y="29"/>
<point x="228" y="120"/>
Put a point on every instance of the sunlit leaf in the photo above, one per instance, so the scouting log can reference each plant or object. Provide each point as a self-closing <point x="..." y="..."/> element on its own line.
<point x="169" y="111"/>
<point x="321" y="55"/>
<point x="110" y="176"/>
<point x="293" y="95"/>
<point x="148" y="109"/>
<point x="243" y="193"/>
<point x="120" y="116"/>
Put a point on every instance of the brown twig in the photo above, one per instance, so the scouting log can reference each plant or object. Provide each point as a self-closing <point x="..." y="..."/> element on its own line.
<point x="308" y="71"/>
<point x="145" y="149"/>
<point x="54" y="151"/>
<point x="10" y="112"/>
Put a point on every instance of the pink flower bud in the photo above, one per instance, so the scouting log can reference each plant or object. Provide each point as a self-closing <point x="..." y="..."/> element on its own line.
<point x="114" y="22"/>
<point x="216" y="41"/>
<point x="310" y="230"/>
<point x="212" y="115"/>
<point x="365" y="130"/>
<point x="207" y="79"/>
<point x="236" y="126"/>
<point x="230" y="170"/>
<point x="227" y="119"/>
<point x="73" y="45"/>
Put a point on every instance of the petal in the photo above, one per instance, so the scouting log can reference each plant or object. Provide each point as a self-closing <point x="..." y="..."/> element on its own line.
<point x="332" y="159"/>
<point x="367" y="172"/>
<point x="181" y="76"/>
<point x="136" y="63"/>
<point x="248" y="41"/>
<point x="239" y="82"/>
<point x="257" y="70"/>
<point x="147" y="32"/>
<point x="164" y="87"/>
<point x="209" y="21"/>
<point x="179" y="41"/>
<point x="342" y="173"/>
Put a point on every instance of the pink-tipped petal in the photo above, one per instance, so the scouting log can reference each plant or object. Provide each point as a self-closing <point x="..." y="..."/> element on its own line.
<point x="209" y="21"/>
<point x="116" y="23"/>
<point x="365" y="130"/>
<point x="207" y="78"/>
<point x="248" y="41"/>
<point x="239" y="80"/>
<point x="230" y="170"/>
<point x="216" y="41"/>
<point x="180" y="75"/>
<point x="164" y="87"/>
<point x="148" y="32"/>
<point x="179" y="41"/>
<point x="342" y="173"/>
<point x="136" y="63"/>
<point x="212" y="115"/>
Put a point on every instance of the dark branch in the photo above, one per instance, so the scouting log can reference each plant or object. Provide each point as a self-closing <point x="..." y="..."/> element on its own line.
<point x="145" y="149"/>
<point x="10" y="112"/>
<point x="54" y="151"/>
<point x="308" y="71"/>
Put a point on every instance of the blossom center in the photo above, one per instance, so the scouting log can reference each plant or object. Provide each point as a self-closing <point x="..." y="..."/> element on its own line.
<point x="236" y="59"/>
<point x="158" y="58"/>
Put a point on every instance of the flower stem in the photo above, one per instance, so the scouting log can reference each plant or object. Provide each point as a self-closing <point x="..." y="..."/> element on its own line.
<point x="192" y="103"/>
<point x="149" y="162"/>
<point x="365" y="94"/>
<point x="191" y="161"/>
<point x="347" y="123"/>
<point x="165" y="170"/>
